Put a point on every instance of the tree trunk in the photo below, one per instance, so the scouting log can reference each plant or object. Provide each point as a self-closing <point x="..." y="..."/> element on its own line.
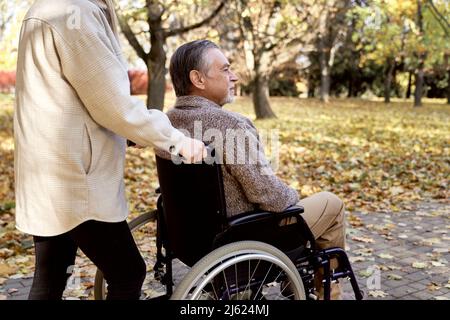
<point x="448" y="86"/>
<point x="324" y="71"/>
<point x="408" y="89"/>
<point x="156" y="82"/>
<point x="419" y="85"/>
<point x="419" y="74"/>
<point x="350" y="87"/>
<point x="261" y="99"/>
<point x="156" y="65"/>
<point x="447" y="56"/>
<point x="311" y="86"/>
<point x="388" y="79"/>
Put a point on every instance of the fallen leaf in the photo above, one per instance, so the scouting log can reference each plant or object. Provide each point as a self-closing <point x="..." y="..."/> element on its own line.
<point x="419" y="265"/>
<point x="437" y="264"/>
<point x="396" y="190"/>
<point x="362" y="239"/>
<point x="391" y="267"/>
<point x="386" y="256"/>
<point x="355" y="221"/>
<point x="433" y="286"/>
<point x="423" y="214"/>
<point x="357" y="259"/>
<point x="378" y="294"/>
<point x="431" y="241"/>
<point x="365" y="252"/>
<point x="366" y="273"/>
<point x="6" y="270"/>
<point x="393" y="276"/>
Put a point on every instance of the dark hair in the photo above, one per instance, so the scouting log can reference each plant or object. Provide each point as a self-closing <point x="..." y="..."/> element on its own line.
<point x="188" y="57"/>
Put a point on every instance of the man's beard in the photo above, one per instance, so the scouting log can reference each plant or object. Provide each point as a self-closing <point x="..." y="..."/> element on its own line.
<point x="229" y="99"/>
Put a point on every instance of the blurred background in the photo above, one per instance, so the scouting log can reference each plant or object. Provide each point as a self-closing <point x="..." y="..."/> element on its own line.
<point x="304" y="48"/>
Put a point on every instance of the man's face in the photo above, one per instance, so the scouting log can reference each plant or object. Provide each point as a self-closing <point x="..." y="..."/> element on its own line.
<point x="219" y="79"/>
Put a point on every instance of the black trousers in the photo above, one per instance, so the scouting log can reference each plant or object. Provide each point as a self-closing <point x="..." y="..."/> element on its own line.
<point x="110" y="246"/>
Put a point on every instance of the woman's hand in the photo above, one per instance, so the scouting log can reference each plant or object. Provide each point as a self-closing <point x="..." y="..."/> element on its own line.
<point x="193" y="150"/>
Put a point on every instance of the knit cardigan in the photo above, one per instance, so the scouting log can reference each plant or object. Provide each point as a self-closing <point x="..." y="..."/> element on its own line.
<point x="250" y="184"/>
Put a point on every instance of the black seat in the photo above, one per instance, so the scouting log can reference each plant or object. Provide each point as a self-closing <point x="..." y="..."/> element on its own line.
<point x="194" y="212"/>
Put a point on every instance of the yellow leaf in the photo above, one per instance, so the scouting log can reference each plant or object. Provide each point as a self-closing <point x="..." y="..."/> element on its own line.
<point x="6" y="270"/>
<point x="378" y="294"/>
<point x="419" y="265"/>
<point x="362" y="239"/>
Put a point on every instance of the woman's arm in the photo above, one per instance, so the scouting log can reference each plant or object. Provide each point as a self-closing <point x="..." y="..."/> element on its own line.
<point x="98" y="75"/>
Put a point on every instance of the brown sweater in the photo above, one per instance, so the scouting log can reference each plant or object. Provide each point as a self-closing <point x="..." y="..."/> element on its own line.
<point x="248" y="185"/>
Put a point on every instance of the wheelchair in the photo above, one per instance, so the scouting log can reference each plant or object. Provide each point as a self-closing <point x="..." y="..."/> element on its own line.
<point x="251" y="256"/>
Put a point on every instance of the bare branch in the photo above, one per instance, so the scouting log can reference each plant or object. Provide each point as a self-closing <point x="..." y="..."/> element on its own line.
<point x="439" y="18"/>
<point x="155" y="11"/>
<point x="131" y="37"/>
<point x="179" y="31"/>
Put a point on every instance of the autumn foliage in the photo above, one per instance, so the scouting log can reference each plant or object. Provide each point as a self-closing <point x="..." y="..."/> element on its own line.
<point x="7" y="81"/>
<point x="138" y="81"/>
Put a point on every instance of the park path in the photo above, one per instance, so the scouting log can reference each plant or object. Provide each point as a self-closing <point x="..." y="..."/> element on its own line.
<point x="395" y="255"/>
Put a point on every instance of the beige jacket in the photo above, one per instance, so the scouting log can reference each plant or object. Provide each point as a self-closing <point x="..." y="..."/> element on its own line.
<point x="72" y="117"/>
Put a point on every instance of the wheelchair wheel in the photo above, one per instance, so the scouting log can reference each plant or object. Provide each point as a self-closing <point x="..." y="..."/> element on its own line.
<point x="136" y="225"/>
<point x="244" y="270"/>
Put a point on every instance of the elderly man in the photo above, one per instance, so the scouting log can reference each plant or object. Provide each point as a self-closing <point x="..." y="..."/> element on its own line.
<point x="203" y="83"/>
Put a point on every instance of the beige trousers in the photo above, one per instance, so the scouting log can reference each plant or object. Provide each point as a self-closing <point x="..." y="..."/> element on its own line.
<point x="325" y="215"/>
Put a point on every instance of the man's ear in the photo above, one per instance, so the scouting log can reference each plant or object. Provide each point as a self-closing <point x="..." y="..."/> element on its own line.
<point x="197" y="79"/>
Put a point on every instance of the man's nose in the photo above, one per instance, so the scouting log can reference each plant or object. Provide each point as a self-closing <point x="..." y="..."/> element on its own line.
<point x="233" y="77"/>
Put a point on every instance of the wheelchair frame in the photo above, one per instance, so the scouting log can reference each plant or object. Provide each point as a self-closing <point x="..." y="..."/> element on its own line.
<point x="305" y="257"/>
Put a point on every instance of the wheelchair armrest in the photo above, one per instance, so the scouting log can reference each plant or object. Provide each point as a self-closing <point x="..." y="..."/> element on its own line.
<point x="266" y="227"/>
<point x="261" y="215"/>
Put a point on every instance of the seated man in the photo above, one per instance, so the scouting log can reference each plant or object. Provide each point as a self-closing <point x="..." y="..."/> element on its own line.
<point x="203" y="83"/>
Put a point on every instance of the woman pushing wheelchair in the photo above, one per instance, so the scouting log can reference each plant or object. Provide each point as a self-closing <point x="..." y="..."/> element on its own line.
<point x="73" y="115"/>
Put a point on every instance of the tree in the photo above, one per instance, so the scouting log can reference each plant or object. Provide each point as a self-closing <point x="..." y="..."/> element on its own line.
<point x="441" y="14"/>
<point x="387" y="27"/>
<point x="268" y="34"/>
<point x="430" y="44"/>
<point x="11" y="15"/>
<point x="421" y="55"/>
<point x="6" y="15"/>
<point x="332" y="30"/>
<point x="156" y="21"/>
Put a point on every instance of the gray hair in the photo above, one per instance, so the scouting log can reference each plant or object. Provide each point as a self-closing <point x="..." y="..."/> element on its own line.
<point x="190" y="56"/>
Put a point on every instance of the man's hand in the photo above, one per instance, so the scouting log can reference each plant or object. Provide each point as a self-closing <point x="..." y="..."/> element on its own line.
<point x="193" y="150"/>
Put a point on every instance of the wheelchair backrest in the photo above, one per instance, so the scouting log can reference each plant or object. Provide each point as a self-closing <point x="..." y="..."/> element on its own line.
<point x="193" y="206"/>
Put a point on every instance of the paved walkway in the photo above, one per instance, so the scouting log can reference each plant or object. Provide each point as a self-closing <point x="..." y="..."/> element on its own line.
<point x="400" y="255"/>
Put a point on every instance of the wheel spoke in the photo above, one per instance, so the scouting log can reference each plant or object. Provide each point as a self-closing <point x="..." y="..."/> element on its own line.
<point x="266" y="266"/>
<point x="264" y="281"/>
